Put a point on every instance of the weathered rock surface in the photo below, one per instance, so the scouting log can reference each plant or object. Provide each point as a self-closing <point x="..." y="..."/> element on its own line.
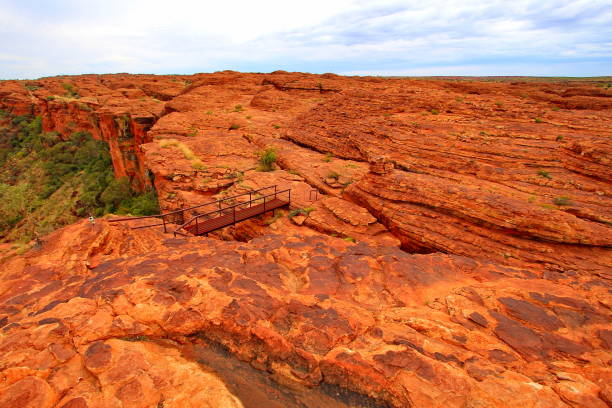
<point x="483" y="221"/>
<point x="103" y="322"/>
<point x="510" y="171"/>
<point x="503" y="188"/>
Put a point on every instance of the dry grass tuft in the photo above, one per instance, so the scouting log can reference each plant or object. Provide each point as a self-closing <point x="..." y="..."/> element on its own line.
<point x="187" y="152"/>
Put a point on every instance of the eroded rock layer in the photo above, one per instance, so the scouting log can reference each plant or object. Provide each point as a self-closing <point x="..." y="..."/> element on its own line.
<point x="100" y="315"/>
<point x="517" y="172"/>
<point x="447" y="244"/>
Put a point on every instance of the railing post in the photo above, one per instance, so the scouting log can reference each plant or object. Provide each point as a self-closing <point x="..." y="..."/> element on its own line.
<point x="234" y="208"/>
<point x="250" y="200"/>
<point x="275" y="191"/>
<point x="164" y="221"/>
<point x="197" y="229"/>
<point x="264" y="205"/>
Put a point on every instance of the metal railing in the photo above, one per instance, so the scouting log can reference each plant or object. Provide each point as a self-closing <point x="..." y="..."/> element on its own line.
<point x="232" y="209"/>
<point x="178" y="216"/>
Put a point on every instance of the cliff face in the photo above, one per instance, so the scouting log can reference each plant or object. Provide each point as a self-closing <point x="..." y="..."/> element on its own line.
<point x="118" y="109"/>
<point x="448" y="244"/>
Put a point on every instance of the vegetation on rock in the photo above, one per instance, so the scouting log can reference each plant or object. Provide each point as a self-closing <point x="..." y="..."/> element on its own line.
<point x="267" y="158"/>
<point x="47" y="182"/>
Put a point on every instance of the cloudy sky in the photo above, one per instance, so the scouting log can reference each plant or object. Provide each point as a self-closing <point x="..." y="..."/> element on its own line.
<point x="409" y="37"/>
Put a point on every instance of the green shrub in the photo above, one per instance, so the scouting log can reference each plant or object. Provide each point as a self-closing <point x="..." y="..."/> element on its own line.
<point x="561" y="201"/>
<point x="145" y="204"/>
<point x="328" y="157"/>
<point x="544" y="174"/>
<point x="304" y="211"/>
<point x="238" y="108"/>
<point x="278" y="214"/>
<point x="70" y="91"/>
<point x="435" y="112"/>
<point x="266" y="160"/>
<point x="116" y="192"/>
<point x="538" y="120"/>
<point x="234" y="126"/>
<point x="17" y="201"/>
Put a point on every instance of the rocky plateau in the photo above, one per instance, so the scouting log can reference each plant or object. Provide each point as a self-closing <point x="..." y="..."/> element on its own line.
<point x="447" y="245"/>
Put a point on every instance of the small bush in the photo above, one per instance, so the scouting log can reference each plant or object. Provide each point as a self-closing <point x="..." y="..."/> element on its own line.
<point x="350" y="239"/>
<point x="435" y="112"/>
<point x="544" y="174"/>
<point x="333" y="174"/>
<point x="538" y="120"/>
<point x="267" y="158"/>
<point x="234" y="126"/>
<point x="277" y="215"/>
<point x="238" y="108"/>
<point x="135" y="338"/>
<point x="559" y="138"/>
<point x="116" y="192"/>
<point x="561" y="201"/>
<point x="304" y="211"/>
<point x="144" y="204"/>
<point x="328" y="157"/>
<point x="276" y="126"/>
<point x="556" y="109"/>
<point x="70" y="91"/>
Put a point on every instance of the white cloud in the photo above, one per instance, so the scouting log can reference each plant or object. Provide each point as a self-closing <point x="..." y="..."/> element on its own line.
<point x="71" y="36"/>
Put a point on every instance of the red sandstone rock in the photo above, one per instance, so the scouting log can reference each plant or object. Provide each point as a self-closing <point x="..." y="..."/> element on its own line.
<point x="374" y="319"/>
<point x="459" y="167"/>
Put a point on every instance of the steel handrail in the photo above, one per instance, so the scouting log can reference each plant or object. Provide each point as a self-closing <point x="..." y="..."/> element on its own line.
<point x="191" y="208"/>
<point x="232" y="206"/>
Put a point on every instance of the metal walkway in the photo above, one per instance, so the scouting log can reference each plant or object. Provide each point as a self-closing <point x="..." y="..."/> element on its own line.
<point x="229" y="211"/>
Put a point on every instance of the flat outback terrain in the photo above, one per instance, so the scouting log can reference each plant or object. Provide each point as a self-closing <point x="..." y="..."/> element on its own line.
<point x="448" y="242"/>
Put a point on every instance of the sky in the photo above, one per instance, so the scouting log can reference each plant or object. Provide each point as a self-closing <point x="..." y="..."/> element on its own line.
<point x="351" y="37"/>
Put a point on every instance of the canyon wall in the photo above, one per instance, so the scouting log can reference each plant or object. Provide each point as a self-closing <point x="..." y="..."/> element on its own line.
<point x="119" y="109"/>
